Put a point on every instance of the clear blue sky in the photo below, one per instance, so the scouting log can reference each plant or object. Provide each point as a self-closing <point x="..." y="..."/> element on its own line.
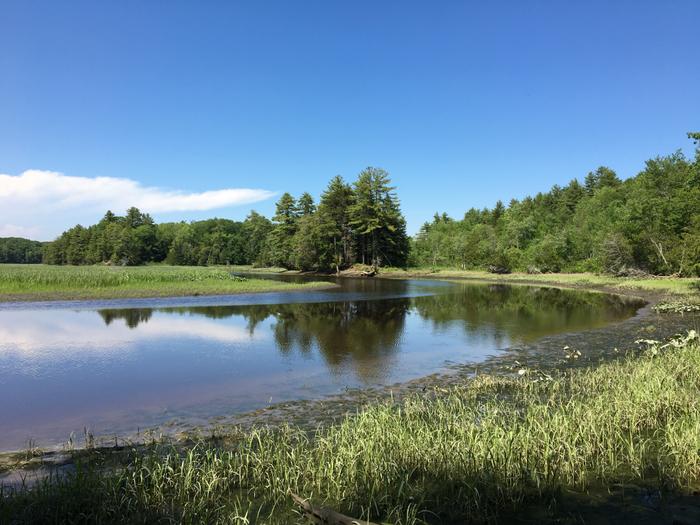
<point x="463" y="103"/>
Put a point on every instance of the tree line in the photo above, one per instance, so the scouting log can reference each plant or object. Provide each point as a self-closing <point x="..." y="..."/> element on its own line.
<point x="19" y="250"/>
<point x="352" y="223"/>
<point x="649" y="223"/>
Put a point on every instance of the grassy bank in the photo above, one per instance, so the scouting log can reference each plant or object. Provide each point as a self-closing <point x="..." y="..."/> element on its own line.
<point x="666" y="285"/>
<point x="494" y="448"/>
<point x="22" y="282"/>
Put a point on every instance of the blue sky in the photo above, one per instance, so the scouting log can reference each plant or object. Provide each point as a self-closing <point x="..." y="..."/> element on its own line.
<point x="463" y="103"/>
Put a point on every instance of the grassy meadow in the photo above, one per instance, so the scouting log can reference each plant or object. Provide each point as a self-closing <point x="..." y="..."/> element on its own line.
<point x="489" y="450"/>
<point x="29" y="282"/>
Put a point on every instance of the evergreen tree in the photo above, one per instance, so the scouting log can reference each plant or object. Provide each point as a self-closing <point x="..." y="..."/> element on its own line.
<point x="306" y="204"/>
<point x="334" y="221"/>
<point x="375" y="216"/>
<point x="280" y="240"/>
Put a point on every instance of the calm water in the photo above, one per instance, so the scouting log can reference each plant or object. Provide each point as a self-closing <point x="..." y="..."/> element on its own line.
<point x="114" y="366"/>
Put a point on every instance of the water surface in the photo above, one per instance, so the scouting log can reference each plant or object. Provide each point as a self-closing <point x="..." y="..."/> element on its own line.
<point x="115" y="366"/>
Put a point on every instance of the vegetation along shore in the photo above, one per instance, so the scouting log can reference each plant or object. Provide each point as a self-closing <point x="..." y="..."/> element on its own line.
<point x="526" y="447"/>
<point x="533" y="444"/>
<point x="648" y="224"/>
<point x="43" y="282"/>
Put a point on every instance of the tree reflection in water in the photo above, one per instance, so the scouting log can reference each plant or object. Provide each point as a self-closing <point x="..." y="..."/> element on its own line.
<point x="365" y="334"/>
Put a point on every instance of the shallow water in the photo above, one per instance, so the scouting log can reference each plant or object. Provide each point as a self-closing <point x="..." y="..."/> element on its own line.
<point x="115" y="366"/>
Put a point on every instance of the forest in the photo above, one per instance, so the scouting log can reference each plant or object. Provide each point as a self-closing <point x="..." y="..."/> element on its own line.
<point x="22" y="251"/>
<point x="648" y="223"/>
<point x="352" y="223"/>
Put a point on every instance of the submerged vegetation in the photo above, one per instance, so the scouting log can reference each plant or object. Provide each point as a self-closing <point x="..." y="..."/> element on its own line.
<point x="38" y="282"/>
<point x="484" y="450"/>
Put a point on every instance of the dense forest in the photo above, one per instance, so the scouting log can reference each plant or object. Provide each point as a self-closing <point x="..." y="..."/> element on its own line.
<point x="18" y="250"/>
<point x="650" y="223"/>
<point x="647" y="223"/>
<point x="354" y="223"/>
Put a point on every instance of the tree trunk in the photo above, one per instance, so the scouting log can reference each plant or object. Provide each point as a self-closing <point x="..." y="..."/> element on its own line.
<point x="660" y="250"/>
<point x="324" y="515"/>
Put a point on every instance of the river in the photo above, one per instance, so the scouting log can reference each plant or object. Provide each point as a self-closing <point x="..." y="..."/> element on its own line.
<point x="117" y="367"/>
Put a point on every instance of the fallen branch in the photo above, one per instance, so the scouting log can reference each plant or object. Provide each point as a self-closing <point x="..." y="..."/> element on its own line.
<point x="324" y="515"/>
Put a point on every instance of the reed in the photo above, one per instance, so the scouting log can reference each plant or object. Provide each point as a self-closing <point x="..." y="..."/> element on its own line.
<point x="672" y="286"/>
<point x="473" y="453"/>
<point x="35" y="282"/>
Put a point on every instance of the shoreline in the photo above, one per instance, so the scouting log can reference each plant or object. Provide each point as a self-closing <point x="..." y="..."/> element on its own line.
<point x="606" y="397"/>
<point x="625" y="286"/>
<point x="543" y="353"/>
<point x="336" y="406"/>
<point x="70" y="296"/>
<point x="23" y="284"/>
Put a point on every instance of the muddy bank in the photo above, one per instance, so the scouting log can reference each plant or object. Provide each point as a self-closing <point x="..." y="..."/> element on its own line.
<point x="548" y="355"/>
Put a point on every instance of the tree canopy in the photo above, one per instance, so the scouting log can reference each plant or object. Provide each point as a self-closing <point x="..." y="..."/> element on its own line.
<point x="649" y="222"/>
<point x="18" y="250"/>
<point x="358" y="223"/>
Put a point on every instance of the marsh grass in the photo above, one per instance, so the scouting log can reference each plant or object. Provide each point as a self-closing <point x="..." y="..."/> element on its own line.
<point x="26" y="282"/>
<point x="669" y="285"/>
<point x="471" y="453"/>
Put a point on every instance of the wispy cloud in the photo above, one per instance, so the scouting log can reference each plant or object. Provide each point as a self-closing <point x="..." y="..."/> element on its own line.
<point x="42" y="203"/>
<point x="14" y="230"/>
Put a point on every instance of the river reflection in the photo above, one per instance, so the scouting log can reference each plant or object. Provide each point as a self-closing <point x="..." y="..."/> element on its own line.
<point x="114" y="369"/>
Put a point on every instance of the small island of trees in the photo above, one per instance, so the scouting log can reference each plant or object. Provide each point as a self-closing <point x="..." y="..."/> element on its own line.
<point x="352" y="223"/>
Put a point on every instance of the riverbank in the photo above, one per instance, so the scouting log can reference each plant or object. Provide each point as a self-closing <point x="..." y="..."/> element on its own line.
<point x="672" y="286"/>
<point x="19" y="283"/>
<point x="623" y="437"/>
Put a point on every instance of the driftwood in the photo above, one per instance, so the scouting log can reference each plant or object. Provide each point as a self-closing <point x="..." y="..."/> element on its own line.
<point x="324" y="515"/>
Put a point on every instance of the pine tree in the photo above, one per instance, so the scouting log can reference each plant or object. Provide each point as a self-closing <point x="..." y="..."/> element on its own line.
<point x="375" y="216"/>
<point x="280" y="240"/>
<point x="334" y="221"/>
<point x="306" y="204"/>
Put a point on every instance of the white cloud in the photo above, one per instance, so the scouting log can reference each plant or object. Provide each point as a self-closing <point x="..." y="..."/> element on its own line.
<point x="13" y="230"/>
<point x="83" y="335"/>
<point x="42" y="203"/>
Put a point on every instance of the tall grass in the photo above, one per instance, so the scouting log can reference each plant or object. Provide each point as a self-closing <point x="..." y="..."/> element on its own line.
<point x="104" y="276"/>
<point x="66" y="282"/>
<point x="669" y="285"/>
<point x="472" y="453"/>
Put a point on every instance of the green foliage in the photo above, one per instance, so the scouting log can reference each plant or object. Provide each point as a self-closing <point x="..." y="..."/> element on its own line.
<point x="43" y="282"/>
<point x="334" y="222"/>
<point x="135" y="239"/>
<point x="650" y="222"/>
<point x="363" y="223"/>
<point x="18" y="250"/>
<point x="492" y="448"/>
<point x="375" y="216"/>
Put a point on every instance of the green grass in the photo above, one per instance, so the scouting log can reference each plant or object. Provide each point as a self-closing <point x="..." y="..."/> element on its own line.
<point x="249" y="268"/>
<point x="669" y="285"/>
<point x="20" y="282"/>
<point x="487" y="449"/>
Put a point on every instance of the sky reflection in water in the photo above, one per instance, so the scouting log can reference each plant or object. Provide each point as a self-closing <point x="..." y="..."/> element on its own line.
<point x="114" y="369"/>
